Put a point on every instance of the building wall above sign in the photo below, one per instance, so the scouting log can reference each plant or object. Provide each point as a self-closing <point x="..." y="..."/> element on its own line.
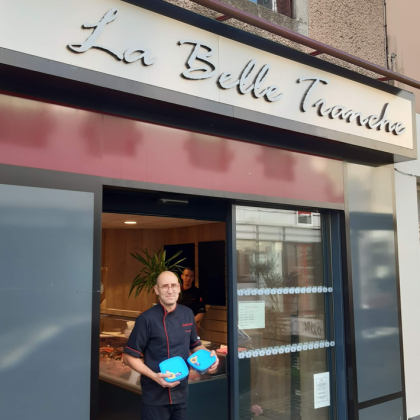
<point x="127" y="41"/>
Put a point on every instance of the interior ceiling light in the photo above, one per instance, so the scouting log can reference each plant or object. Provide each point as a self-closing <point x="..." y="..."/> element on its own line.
<point x="130" y="223"/>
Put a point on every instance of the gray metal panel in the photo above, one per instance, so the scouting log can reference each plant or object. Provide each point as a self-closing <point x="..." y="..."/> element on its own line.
<point x="374" y="277"/>
<point x="391" y="410"/>
<point x="46" y="254"/>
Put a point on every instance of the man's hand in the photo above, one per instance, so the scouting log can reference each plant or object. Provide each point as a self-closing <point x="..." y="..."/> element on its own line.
<point x="160" y="379"/>
<point x="214" y="366"/>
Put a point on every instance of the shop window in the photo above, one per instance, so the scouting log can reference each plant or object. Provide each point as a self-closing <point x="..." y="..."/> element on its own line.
<point x="284" y="7"/>
<point x="284" y="310"/>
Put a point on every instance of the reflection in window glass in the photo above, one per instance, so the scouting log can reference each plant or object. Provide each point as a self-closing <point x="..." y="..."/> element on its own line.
<point x="284" y="334"/>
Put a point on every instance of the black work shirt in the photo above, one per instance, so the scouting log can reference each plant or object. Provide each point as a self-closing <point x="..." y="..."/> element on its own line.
<point x="192" y="299"/>
<point x="159" y="335"/>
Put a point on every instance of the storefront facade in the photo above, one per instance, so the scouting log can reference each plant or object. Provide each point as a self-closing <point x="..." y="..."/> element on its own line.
<point x="106" y="103"/>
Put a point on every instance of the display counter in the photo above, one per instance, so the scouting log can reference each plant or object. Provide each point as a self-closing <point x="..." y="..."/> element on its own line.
<point x="114" y="333"/>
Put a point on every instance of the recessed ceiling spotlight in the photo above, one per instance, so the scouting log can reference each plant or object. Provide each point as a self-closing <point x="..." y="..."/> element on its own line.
<point x="130" y="223"/>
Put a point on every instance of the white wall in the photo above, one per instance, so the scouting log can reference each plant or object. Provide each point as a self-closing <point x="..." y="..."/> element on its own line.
<point x="409" y="270"/>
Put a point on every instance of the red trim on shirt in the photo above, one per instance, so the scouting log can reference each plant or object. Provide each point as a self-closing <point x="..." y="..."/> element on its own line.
<point x="192" y="345"/>
<point x="167" y="343"/>
<point x="139" y="352"/>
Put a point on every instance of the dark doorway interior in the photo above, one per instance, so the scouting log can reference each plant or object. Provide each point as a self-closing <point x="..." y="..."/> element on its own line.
<point x="173" y="222"/>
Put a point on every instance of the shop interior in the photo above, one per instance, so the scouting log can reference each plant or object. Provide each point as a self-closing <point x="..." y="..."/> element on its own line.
<point x="203" y="246"/>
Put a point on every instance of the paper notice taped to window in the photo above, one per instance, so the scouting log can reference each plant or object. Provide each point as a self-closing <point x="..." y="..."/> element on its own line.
<point x="322" y="390"/>
<point x="251" y="315"/>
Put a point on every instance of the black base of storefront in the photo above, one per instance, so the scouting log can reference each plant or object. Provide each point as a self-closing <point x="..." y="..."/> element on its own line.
<point x="208" y="400"/>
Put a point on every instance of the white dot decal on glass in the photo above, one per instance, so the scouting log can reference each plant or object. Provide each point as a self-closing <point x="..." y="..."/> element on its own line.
<point x="327" y="344"/>
<point x="311" y="346"/>
<point x="308" y="290"/>
<point x="279" y="291"/>
<point x="314" y="289"/>
<point x="316" y="345"/>
<point x="321" y="345"/>
<point x="241" y="355"/>
<point x="297" y="290"/>
<point x="332" y="343"/>
<point x="261" y="353"/>
<point x="240" y="292"/>
<point x="330" y="289"/>
<point x="273" y="291"/>
<point x="305" y="347"/>
<point x="247" y="292"/>
<point x="325" y="289"/>
<point x="254" y="292"/>
<point x="268" y="352"/>
<point x="292" y="291"/>
<point x="286" y="291"/>
<point x="266" y="291"/>
<point x="275" y="351"/>
<point x="303" y="290"/>
<point x="260" y="292"/>
<point x="299" y="348"/>
<point x="293" y="349"/>
<point x="287" y="350"/>
<point x="282" y="349"/>
<point x="248" y="354"/>
<point x="255" y="353"/>
<point x="320" y="289"/>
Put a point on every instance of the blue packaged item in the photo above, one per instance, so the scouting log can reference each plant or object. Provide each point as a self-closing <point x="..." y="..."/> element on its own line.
<point x="175" y="366"/>
<point x="201" y="361"/>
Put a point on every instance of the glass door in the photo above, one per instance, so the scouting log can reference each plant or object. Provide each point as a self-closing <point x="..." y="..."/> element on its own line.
<point x="286" y="345"/>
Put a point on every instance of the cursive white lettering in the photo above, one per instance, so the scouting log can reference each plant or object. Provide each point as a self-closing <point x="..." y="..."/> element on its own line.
<point x="224" y="77"/>
<point x="90" y="42"/>
<point x="144" y="56"/>
<point x="245" y="76"/>
<point x="270" y="93"/>
<point x="339" y="111"/>
<point x="98" y="27"/>
<point x="306" y="96"/>
<point x="260" y="80"/>
<point x="199" y="72"/>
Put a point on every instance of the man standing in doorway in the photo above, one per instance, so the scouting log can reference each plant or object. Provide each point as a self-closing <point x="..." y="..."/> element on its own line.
<point x="166" y="330"/>
<point x="191" y="296"/>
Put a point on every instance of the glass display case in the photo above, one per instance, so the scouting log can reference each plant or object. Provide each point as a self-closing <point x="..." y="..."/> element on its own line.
<point x="114" y="333"/>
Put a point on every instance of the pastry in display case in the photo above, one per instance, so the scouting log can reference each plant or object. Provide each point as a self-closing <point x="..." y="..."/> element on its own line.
<point x="114" y="333"/>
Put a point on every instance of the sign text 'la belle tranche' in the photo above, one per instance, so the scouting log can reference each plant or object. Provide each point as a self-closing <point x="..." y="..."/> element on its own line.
<point x="251" y="80"/>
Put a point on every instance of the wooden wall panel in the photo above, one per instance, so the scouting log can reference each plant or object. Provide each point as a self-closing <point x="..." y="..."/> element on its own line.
<point x="122" y="267"/>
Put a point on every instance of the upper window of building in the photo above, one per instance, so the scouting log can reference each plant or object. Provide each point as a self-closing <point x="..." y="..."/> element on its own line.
<point x="283" y="7"/>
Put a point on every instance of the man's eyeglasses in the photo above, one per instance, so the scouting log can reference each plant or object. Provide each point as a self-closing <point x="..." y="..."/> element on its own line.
<point x="173" y="286"/>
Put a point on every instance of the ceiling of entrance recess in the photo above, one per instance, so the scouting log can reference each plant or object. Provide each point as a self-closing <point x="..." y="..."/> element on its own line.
<point x="116" y="221"/>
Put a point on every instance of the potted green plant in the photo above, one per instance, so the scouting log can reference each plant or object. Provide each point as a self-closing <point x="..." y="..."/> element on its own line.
<point x="153" y="265"/>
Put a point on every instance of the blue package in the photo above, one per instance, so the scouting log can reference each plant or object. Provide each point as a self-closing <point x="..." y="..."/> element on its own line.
<point x="175" y="366"/>
<point x="201" y="360"/>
